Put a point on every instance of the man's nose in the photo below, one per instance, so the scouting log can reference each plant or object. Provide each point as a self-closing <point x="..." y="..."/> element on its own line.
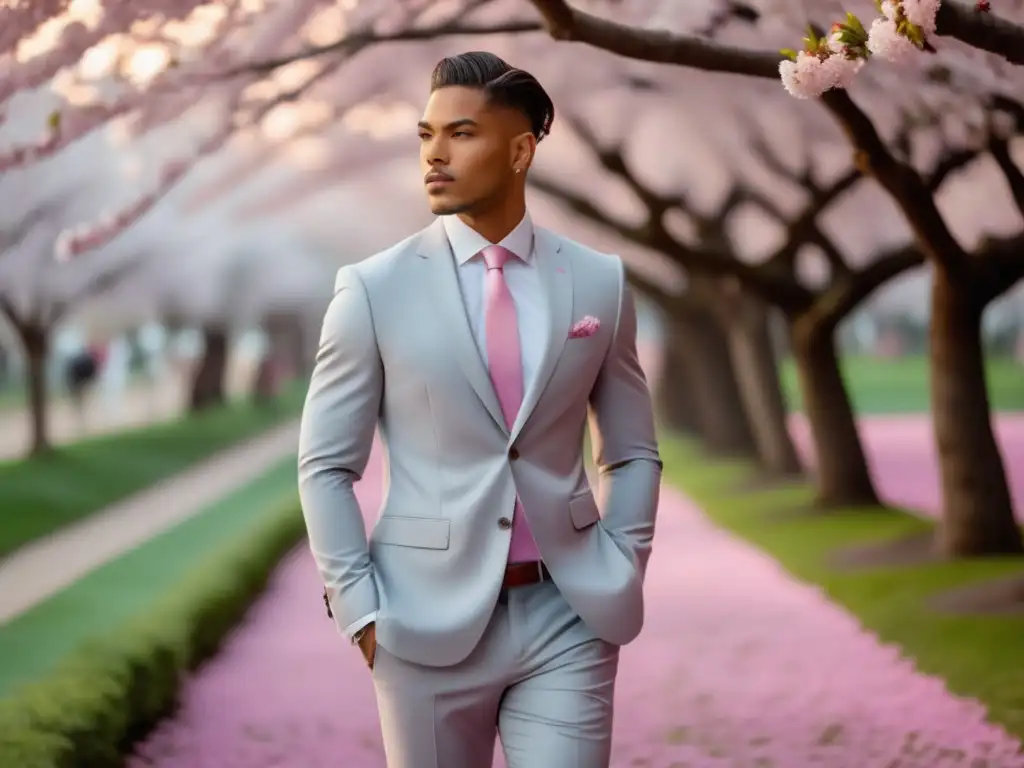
<point x="437" y="152"/>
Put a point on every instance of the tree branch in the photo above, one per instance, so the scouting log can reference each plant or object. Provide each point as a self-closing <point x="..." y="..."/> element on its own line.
<point x="804" y="227"/>
<point x="950" y="163"/>
<point x="563" y="22"/>
<point x="901" y="181"/>
<point x="844" y="294"/>
<point x="1000" y="150"/>
<point x="8" y="310"/>
<point x="833" y="255"/>
<point x="767" y="283"/>
<point x="770" y="158"/>
<point x="984" y="31"/>
<point x="999" y="266"/>
<point x="613" y="160"/>
<point x="650" y="289"/>
<point x="356" y="41"/>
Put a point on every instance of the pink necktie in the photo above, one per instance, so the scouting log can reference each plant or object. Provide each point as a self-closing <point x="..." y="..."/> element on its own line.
<point x="506" y="368"/>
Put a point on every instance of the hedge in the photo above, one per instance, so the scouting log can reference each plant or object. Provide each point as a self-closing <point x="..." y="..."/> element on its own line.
<point x="108" y="695"/>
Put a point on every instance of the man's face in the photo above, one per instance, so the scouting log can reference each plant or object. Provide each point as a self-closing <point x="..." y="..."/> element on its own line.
<point x="468" y="150"/>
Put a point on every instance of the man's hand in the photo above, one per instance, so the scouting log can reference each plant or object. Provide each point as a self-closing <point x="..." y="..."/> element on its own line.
<point x="368" y="644"/>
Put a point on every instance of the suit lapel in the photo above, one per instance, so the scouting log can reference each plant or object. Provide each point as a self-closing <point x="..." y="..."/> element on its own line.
<point x="556" y="277"/>
<point x="444" y="286"/>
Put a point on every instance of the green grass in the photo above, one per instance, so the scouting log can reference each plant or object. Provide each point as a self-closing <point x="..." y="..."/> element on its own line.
<point x="42" y="495"/>
<point x="901" y="385"/>
<point x="979" y="656"/>
<point x="11" y="399"/>
<point x="37" y="641"/>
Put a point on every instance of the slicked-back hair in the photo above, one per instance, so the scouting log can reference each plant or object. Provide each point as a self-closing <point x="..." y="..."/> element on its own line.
<point x="503" y="83"/>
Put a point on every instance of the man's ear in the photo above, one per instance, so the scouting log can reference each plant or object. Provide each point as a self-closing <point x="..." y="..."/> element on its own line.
<point x="523" y="148"/>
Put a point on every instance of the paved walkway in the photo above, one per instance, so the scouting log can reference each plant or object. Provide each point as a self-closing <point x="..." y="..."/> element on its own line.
<point x="140" y="404"/>
<point x="44" y="567"/>
<point x="739" y="666"/>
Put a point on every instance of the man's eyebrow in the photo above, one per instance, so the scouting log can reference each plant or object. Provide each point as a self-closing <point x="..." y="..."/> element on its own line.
<point x="463" y="121"/>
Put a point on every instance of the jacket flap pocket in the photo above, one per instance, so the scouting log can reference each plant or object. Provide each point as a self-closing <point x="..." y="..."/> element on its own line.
<point x="583" y="510"/>
<point x="421" y="532"/>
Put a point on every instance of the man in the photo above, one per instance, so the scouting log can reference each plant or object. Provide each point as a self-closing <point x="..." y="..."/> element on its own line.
<point x="493" y="595"/>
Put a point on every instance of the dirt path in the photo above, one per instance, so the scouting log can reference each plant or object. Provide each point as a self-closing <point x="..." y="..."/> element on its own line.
<point x="739" y="666"/>
<point x="44" y="567"/>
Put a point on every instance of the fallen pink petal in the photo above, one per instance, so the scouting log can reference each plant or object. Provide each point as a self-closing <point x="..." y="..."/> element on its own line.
<point x="739" y="665"/>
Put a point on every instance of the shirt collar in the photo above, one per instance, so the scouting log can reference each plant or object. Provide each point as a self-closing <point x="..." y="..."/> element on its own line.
<point x="466" y="242"/>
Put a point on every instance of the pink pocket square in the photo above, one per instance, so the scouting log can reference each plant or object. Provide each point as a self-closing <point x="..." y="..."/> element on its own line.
<point x="586" y="327"/>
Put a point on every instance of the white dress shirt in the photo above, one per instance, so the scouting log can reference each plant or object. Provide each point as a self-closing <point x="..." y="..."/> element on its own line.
<point x="524" y="283"/>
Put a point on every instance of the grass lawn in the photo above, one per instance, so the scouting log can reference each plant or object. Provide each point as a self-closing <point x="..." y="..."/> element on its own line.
<point x="979" y="656"/>
<point x="41" y="495"/>
<point x="901" y="386"/>
<point x="11" y="398"/>
<point x="35" y="642"/>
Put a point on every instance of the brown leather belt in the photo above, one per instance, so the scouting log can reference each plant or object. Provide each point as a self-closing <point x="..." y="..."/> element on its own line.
<point x="516" y="575"/>
<point x="524" y="574"/>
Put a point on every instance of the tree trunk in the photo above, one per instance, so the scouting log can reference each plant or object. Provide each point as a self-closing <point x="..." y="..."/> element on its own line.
<point x="265" y="387"/>
<point x="298" y="365"/>
<point x="757" y="374"/>
<point x="843" y="477"/>
<point x="722" y="421"/>
<point x="36" y="343"/>
<point x="674" y="399"/>
<point x="208" y="380"/>
<point x="977" y="515"/>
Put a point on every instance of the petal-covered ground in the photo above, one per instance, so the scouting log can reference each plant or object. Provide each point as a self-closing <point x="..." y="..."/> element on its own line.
<point x="739" y="666"/>
<point x="902" y="454"/>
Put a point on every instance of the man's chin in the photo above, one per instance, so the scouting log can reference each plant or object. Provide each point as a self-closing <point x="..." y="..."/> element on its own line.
<point x="441" y="207"/>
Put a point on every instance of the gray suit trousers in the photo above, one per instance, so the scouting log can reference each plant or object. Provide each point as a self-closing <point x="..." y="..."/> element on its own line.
<point x="539" y="680"/>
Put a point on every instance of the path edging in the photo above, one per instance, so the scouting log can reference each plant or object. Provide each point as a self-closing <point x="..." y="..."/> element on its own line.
<point x="95" y="705"/>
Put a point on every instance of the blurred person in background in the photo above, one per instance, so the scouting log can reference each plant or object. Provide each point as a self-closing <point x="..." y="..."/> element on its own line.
<point x="495" y="590"/>
<point x="82" y="370"/>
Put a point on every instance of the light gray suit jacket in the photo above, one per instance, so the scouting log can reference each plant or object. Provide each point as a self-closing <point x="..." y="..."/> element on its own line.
<point x="397" y="352"/>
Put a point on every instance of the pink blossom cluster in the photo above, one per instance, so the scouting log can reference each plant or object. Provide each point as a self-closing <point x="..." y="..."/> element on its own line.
<point x="887" y="40"/>
<point x="813" y="73"/>
<point x="76" y="37"/>
<point x="85" y="237"/>
<point x="902" y="30"/>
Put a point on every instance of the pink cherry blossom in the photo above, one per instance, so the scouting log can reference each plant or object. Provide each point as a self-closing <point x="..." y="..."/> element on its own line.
<point x="810" y="76"/>
<point x="921" y="13"/>
<point x="886" y="42"/>
<point x="739" y="665"/>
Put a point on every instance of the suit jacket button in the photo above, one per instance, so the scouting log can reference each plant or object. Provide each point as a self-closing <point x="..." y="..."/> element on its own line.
<point x="513" y="453"/>
<point x="504" y="523"/>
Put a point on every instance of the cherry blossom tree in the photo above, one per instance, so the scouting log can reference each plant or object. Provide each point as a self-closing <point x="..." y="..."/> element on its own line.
<point x="36" y="293"/>
<point x="965" y="84"/>
<point x="150" y="67"/>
